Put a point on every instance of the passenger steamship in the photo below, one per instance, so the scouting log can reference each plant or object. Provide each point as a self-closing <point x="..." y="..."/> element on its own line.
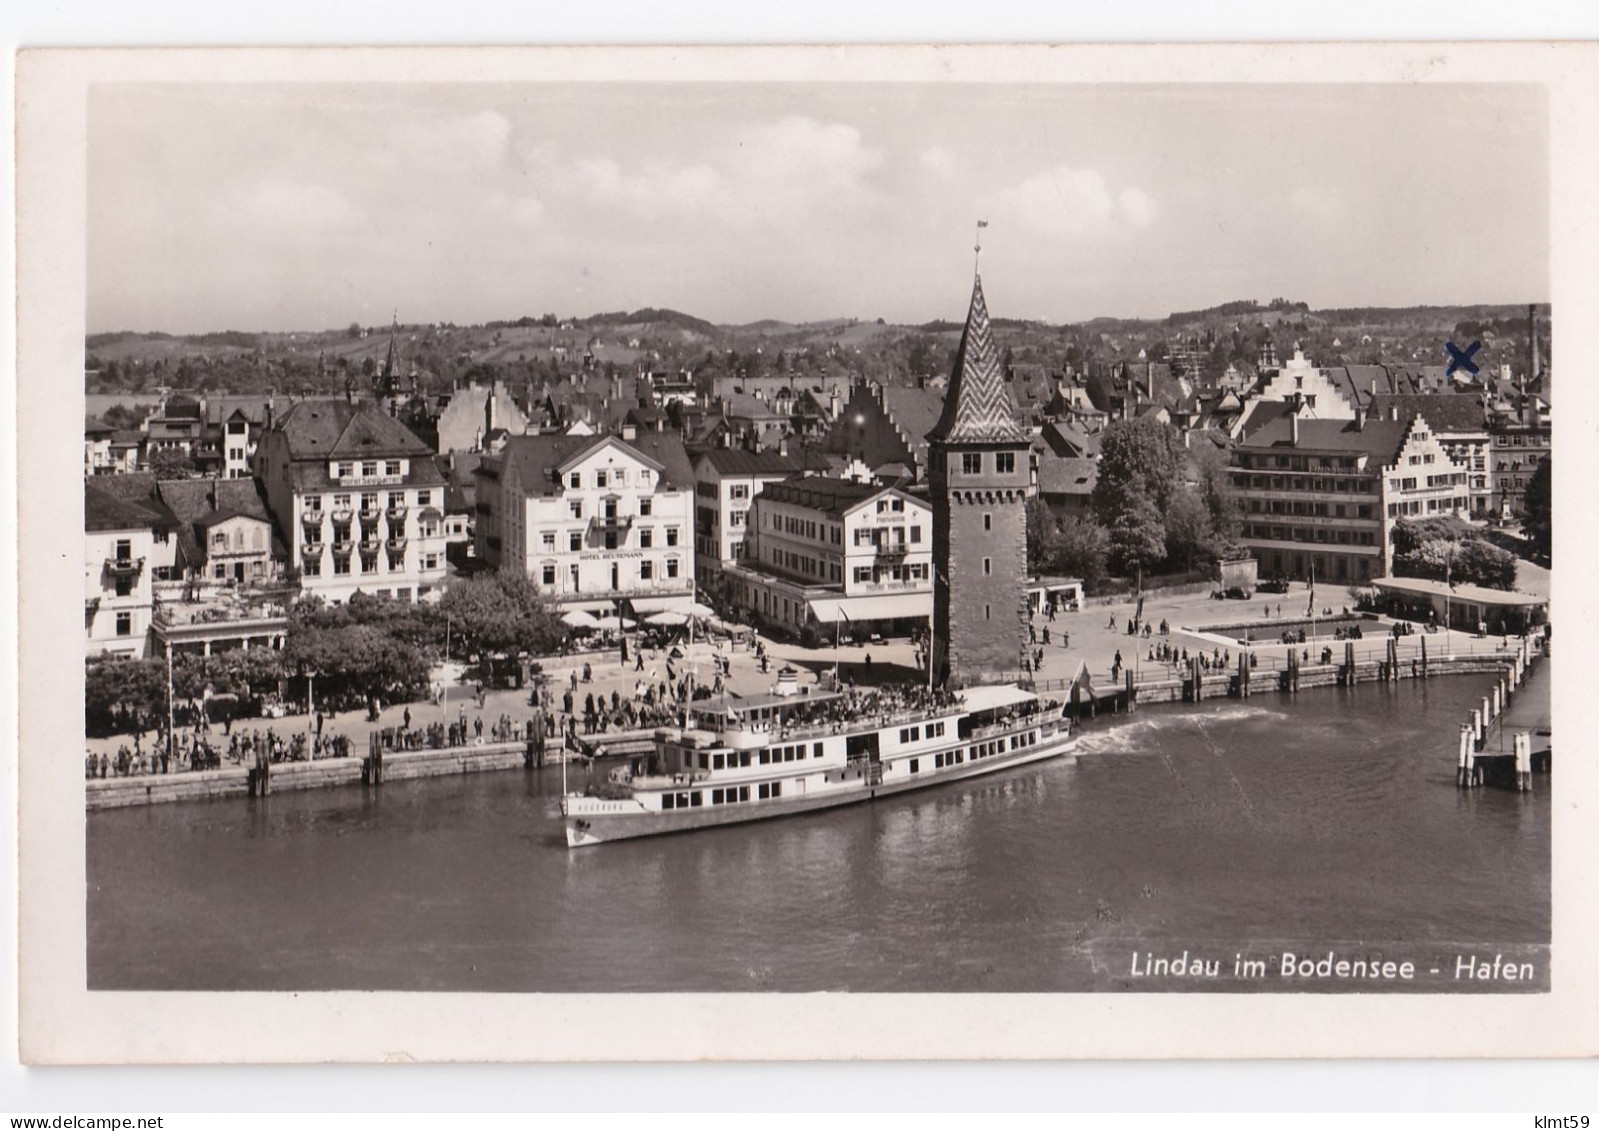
<point x="793" y="751"/>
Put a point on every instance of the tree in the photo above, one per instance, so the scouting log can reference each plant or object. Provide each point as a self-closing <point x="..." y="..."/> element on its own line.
<point x="1137" y="537"/>
<point x="1478" y="562"/>
<point x="1538" y="510"/>
<point x="1213" y="473"/>
<point x="1137" y="477"/>
<point x="1189" y="534"/>
<point x="501" y="613"/>
<point x="171" y="463"/>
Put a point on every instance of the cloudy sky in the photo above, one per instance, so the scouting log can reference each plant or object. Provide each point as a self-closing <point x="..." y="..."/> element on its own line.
<point x="307" y="207"/>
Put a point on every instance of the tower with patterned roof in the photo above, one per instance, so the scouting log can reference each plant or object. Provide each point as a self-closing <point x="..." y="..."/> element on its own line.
<point x="978" y="472"/>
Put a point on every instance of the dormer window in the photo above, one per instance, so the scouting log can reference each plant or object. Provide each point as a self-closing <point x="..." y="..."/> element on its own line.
<point x="392" y="467"/>
<point x="369" y="469"/>
<point x="346" y="470"/>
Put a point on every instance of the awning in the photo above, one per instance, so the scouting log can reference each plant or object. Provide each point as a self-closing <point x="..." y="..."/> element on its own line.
<point x="884" y="606"/>
<point x="644" y="605"/>
<point x="576" y="618"/>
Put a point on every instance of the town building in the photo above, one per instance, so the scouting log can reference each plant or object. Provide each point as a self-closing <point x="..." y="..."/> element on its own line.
<point x="1517" y="445"/>
<point x="474" y="412"/>
<point x="358" y="498"/>
<point x="726" y="482"/>
<point x="121" y="540"/>
<point x="97" y="437"/>
<point x="885" y="427"/>
<point x="602" y="523"/>
<point x="1458" y="420"/>
<point x="1324" y="495"/>
<point x="979" y="478"/>
<point x="846" y="555"/>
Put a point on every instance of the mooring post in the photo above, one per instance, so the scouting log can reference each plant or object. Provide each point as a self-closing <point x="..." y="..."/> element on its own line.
<point x="1423" y="657"/>
<point x="1132" y="695"/>
<point x="1243" y="675"/>
<point x="1476" y="728"/>
<point x="1461" y="778"/>
<point x="1524" y="762"/>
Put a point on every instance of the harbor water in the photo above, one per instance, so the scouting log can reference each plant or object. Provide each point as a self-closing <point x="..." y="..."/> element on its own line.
<point x="1328" y="824"/>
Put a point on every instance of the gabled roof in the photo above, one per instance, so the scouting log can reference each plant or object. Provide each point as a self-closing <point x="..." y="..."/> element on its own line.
<point x="1380" y="439"/>
<point x="1444" y="412"/>
<point x="323" y="430"/>
<point x="1066" y="476"/>
<point x="977" y="408"/>
<point x="537" y="460"/>
<point x="739" y="461"/>
<point x="829" y="496"/>
<point x="190" y="501"/>
<point x="95" y="428"/>
<point x="123" y="502"/>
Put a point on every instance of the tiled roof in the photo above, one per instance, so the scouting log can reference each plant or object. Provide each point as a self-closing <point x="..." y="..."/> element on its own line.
<point x="97" y="428"/>
<point x="107" y="507"/>
<point x="1445" y="412"/>
<point x="1066" y="476"/>
<point x="819" y="493"/>
<point x="738" y="461"/>
<point x="190" y="502"/>
<point x="977" y="408"/>
<point x="534" y="458"/>
<point x="1379" y="438"/>
<point x="321" y="430"/>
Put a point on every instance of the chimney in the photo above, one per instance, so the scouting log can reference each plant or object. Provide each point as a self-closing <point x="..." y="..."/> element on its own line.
<point x="1393" y="412"/>
<point x="782" y="446"/>
<point x="211" y="493"/>
<point x="629" y="432"/>
<point x="1360" y="419"/>
<point x="1293" y="429"/>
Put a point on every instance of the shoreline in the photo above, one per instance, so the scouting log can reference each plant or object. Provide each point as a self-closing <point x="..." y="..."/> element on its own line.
<point x="404" y="765"/>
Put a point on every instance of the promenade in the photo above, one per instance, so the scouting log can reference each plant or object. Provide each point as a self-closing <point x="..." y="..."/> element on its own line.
<point x="1093" y="636"/>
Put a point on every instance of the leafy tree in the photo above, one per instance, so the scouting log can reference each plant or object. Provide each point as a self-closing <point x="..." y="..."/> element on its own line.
<point x="1538" y="509"/>
<point x="1076" y="547"/>
<point x="1214" y="480"/>
<point x="1137" y="478"/>
<point x="1189" y="533"/>
<point x="501" y="613"/>
<point x="1479" y="562"/>
<point x="171" y="463"/>
<point x="1137" y="536"/>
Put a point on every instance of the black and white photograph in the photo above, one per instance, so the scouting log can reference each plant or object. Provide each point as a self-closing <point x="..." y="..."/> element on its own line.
<point x="771" y="532"/>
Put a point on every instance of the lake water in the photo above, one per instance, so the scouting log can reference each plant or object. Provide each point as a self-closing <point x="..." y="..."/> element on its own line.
<point x="1232" y="831"/>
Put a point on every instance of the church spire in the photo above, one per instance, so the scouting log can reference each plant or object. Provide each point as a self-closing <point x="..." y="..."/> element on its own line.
<point x="391" y="367"/>
<point x="977" y="408"/>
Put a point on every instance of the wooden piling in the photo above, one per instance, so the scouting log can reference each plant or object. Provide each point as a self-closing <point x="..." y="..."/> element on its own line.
<point x="1423" y="657"/>
<point x="1462" y="778"/>
<point x="1132" y="693"/>
<point x="1243" y="675"/>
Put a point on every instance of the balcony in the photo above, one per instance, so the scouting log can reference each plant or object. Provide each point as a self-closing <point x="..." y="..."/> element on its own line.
<point x="397" y="545"/>
<point x="892" y="549"/>
<point x="370" y="514"/>
<point x="397" y="515"/>
<point x="617" y="522"/>
<point x="124" y="567"/>
<point x="342" y="515"/>
<point x="371" y="545"/>
<point x="312" y="518"/>
<point x="313" y="549"/>
<point x="344" y="548"/>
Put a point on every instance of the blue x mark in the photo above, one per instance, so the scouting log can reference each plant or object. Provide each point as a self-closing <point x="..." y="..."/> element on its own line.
<point x="1459" y="360"/>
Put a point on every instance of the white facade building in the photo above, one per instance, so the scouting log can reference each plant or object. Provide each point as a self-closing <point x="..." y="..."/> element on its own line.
<point x="601" y="523"/>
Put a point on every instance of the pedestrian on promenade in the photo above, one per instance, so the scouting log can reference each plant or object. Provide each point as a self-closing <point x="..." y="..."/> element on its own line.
<point x="408" y="718"/>
<point x="1032" y="633"/>
<point x="1112" y="622"/>
<point x="1046" y="636"/>
<point x="1066" y="639"/>
<point x="588" y="673"/>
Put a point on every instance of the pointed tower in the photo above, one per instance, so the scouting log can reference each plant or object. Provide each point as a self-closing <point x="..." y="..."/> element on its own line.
<point x="978" y="474"/>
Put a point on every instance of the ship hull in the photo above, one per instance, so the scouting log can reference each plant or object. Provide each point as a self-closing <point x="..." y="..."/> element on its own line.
<point x="624" y="824"/>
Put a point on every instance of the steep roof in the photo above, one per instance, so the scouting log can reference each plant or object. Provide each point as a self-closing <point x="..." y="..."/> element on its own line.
<point x="1381" y="439"/>
<point x="94" y="427"/>
<point x="197" y="504"/>
<point x="977" y="408"/>
<point x="112" y="505"/>
<point x="1066" y="476"/>
<point x="739" y="461"/>
<point x="827" y="496"/>
<point x="535" y="458"/>
<point x="1445" y="412"/>
<point x="322" y="430"/>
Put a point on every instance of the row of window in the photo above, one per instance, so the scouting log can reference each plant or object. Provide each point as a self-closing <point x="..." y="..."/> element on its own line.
<point x="972" y="463"/>
<point x="917" y="733"/>
<point x="1340" y="536"/>
<point x="312" y="567"/>
<point x="1361" y="486"/>
<point x="646" y="572"/>
<point x="574" y="539"/>
<point x="609" y="477"/>
<point x="731" y="795"/>
<point x="369" y="468"/>
<point x="1323" y="510"/>
<point x="1300" y="463"/>
<point x="916" y="571"/>
<point x="1433" y="506"/>
<point x="980" y="750"/>
<point x="369" y="500"/>
<point x="646" y="507"/>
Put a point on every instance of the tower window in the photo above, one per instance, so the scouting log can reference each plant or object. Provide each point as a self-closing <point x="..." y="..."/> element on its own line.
<point x="987" y="611"/>
<point x="1005" y="462"/>
<point x="971" y="463"/>
<point x="988" y="522"/>
<point x="988" y="566"/>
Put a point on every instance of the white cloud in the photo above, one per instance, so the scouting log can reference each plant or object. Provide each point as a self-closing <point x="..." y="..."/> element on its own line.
<point x="1068" y="203"/>
<point x="655" y="190"/>
<point x="1314" y="200"/>
<point x="1138" y="208"/>
<point x="938" y="160"/>
<point x="288" y="204"/>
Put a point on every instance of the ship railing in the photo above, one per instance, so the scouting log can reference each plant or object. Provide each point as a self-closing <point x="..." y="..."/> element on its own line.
<point x="670" y="781"/>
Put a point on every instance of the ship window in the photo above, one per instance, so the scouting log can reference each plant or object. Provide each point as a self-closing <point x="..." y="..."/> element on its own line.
<point x="777" y="789"/>
<point x="816" y="750"/>
<point x="766" y="757"/>
<point x="744" y="758"/>
<point x="915" y="767"/>
<point x="717" y="762"/>
<point x="938" y="761"/>
<point x="668" y="801"/>
<point x="705" y="761"/>
<point x="764" y="792"/>
<point x="743" y="793"/>
<point x="716" y="797"/>
<point x="697" y="798"/>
